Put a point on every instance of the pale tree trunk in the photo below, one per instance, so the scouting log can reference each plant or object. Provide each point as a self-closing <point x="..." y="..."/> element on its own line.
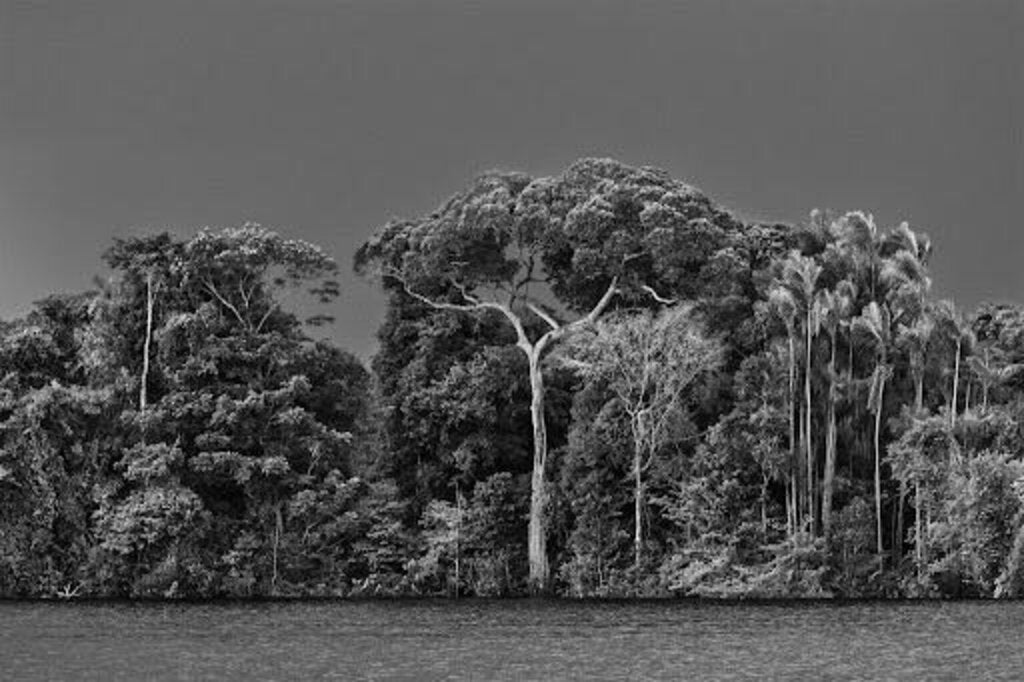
<point x="278" y="527"/>
<point x="828" y="484"/>
<point x="918" y="535"/>
<point x="956" y="382"/>
<point x="918" y="530"/>
<point x="148" y="341"/>
<point x="537" y="534"/>
<point x="878" y="466"/>
<point x="638" y="508"/>
<point x="793" y="448"/>
<point x="764" y="503"/>
<point x="536" y="540"/>
<point x="809" y="442"/>
<point x="897" y="544"/>
<point x="458" y="538"/>
<point x="636" y="426"/>
<point x="985" y="385"/>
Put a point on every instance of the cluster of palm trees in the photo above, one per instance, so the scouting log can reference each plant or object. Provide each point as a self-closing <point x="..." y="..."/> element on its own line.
<point x="859" y="325"/>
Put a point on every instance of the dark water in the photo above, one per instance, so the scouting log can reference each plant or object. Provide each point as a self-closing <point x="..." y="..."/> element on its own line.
<point x="534" y="640"/>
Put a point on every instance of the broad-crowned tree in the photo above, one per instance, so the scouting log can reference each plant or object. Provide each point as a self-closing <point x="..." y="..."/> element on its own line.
<point x="553" y="252"/>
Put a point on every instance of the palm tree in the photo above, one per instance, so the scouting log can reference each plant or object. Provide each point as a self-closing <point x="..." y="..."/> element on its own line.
<point x="875" y="321"/>
<point x="906" y="281"/>
<point x="958" y="333"/>
<point x="992" y="371"/>
<point x="784" y="304"/>
<point x="861" y="240"/>
<point x="799" y="280"/>
<point x="916" y="338"/>
<point x="834" y="309"/>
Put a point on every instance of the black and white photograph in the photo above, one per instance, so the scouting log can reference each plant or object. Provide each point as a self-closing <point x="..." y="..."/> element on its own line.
<point x="511" y="339"/>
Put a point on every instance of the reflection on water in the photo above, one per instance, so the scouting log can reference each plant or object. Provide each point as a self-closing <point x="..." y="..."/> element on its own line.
<point x="512" y="640"/>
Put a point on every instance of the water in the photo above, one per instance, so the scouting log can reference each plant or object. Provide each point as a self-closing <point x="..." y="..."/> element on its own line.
<point x="525" y="639"/>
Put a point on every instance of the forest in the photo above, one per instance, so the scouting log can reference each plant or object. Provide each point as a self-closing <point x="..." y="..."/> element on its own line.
<point x="600" y="383"/>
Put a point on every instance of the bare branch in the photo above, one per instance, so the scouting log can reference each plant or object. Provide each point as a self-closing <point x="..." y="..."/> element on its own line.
<point x="560" y="331"/>
<point x="658" y="297"/>
<point x="464" y="293"/>
<point x="475" y="305"/>
<point x="265" y="317"/>
<point x="213" y="290"/>
<point x="539" y="312"/>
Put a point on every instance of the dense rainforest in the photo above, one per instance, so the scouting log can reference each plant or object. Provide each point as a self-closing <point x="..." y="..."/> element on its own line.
<point x="600" y="383"/>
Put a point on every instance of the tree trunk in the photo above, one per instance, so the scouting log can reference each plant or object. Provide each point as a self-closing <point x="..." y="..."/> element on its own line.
<point x="764" y="503"/>
<point x="278" y="527"/>
<point x="638" y="502"/>
<point x="918" y="409"/>
<point x="828" y="484"/>
<point x="985" y="384"/>
<point x="458" y="538"/>
<point x="537" y="535"/>
<point x="808" y="440"/>
<point x="794" y="458"/>
<point x="878" y="467"/>
<point x="897" y="545"/>
<point x="919" y="540"/>
<point x="789" y="512"/>
<point x="956" y="382"/>
<point x="148" y="341"/>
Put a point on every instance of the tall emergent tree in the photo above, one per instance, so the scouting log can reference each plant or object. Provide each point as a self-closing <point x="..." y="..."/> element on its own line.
<point x="549" y="255"/>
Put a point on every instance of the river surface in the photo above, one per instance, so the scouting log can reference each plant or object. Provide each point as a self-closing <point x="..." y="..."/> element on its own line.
<point x="513" y="640"/>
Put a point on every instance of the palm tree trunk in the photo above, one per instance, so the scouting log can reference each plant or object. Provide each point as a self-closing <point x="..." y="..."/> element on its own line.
<point x="808" y="444"/>
<point x="878" y="469"/>
<point x="830" y="448"/>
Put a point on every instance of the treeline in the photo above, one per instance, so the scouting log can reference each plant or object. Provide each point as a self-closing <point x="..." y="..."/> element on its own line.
<point x="599" y="383"/>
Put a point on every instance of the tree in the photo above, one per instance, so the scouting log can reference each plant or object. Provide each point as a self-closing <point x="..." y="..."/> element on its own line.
<point x="784" y="304"/>
<point x="876" y="321"/>
<point x="834" y="309"/>
<point x="144" y="260"/>
<point x="958" y="334"/>
<point x="512" y="246"/>
<point x="797" y="286"/>
<point x="248" y="415"/>
<point x="648" y="361"/>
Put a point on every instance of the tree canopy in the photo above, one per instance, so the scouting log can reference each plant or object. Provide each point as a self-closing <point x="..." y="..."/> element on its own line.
<point x="595" y="383"/>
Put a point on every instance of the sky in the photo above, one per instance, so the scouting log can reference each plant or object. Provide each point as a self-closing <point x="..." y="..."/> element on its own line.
<point x="325" y="118"/>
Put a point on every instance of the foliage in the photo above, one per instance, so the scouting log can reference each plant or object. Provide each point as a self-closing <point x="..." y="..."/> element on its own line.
<point x="601" y="369"/>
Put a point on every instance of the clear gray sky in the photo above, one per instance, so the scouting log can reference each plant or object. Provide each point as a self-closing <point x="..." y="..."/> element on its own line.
<point x="324" y="118"/>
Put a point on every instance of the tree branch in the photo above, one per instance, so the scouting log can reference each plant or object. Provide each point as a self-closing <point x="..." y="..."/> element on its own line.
<point x="658" y="297"/>
<point x="213" y="290"/>
<point x="475" y="304"/>
<point x="539" y="312"/>
<point x="560" y="331"/>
